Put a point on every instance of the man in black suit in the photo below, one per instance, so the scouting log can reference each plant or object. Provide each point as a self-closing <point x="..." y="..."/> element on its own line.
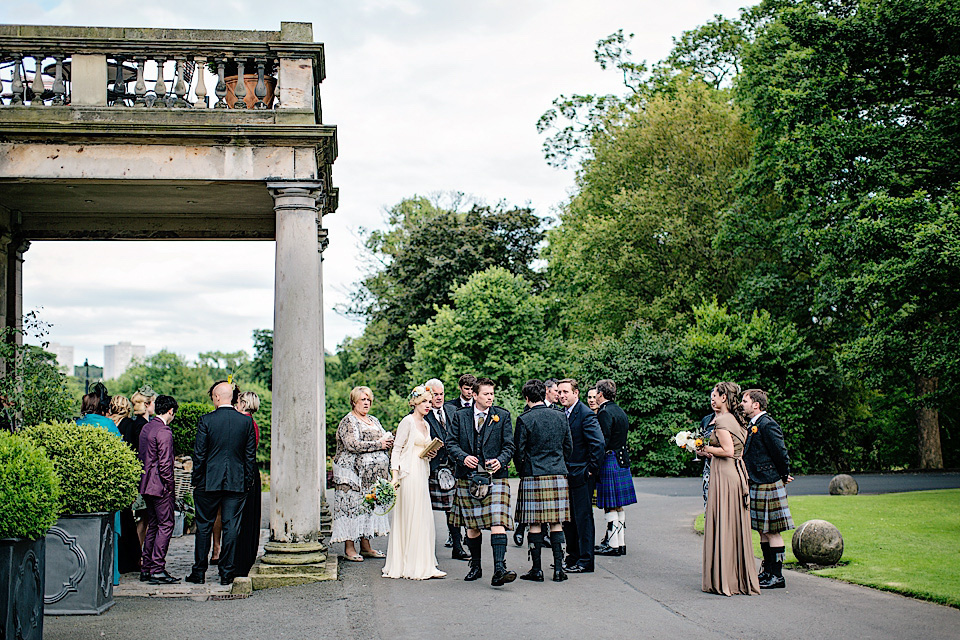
<point x="224" y="465"/>
<point x="439" y="420"/>
<point x="616" y="482"/>
<point x="583" y="466"/>
<point x="465" y="399"/>
<point x="481" y="440"/>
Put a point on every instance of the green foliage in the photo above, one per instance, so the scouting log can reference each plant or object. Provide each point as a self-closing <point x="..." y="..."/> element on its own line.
<point x="29" y="489"/>
<point x="97" y="470"/>
<point x="184" y="426"/>
<point x="261" y="367"/>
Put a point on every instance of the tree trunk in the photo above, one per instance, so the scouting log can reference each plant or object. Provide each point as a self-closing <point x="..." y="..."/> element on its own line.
<point x="928" y="427"/>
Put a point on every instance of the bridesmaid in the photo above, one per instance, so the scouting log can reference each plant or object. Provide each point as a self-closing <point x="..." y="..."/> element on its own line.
<point x="728" y="564"/>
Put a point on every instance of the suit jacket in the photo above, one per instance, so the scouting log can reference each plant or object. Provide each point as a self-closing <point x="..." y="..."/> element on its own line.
<point x="155" y="451"/>
<point x="765" y="452"/>
<point x="452" y="406"/>
<point x="614" y="424"/>
<point x="495" y="440"/>
<point x="587" y="445"/>
<point x="543" y="442"/>
<point x="442" y="458"/>
<point x="224" y="456"/>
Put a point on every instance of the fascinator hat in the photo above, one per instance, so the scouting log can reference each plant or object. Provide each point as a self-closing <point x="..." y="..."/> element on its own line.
<point x="419" y="394"/>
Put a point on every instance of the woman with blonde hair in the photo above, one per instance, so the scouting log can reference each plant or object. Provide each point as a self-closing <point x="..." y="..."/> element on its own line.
<point x="142" y="400"/>
<point x="248" y="540"/>
<point x="362" y="458"/>
<point x="128" y="543"/>
<point x="410" y="552"/>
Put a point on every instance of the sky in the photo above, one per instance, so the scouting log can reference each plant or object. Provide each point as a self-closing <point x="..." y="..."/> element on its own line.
<point x="428" y="96"/>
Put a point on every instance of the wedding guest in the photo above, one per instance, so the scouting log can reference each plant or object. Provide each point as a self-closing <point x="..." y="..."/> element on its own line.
<point x="768" y="466"/>
<point x="728" y="564"/>
<point x="217" y="536"/>
<point x="248" y="540"/>
<point x="552" y="396"/>
<point x="143" y="410"/>
<point x="592" y="399"/>
<point x="157" y="488"/>
<point x="615" y="486"/>
<point x="441" y="467"/>
<point x="465" y="384"/>
<point x="361" y="460"/>
<point x="128" y="543"/>
<point x="706" y="427"/>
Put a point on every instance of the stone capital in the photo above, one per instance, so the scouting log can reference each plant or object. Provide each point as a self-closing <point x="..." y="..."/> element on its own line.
<point x="322" y="239"/>
<point x="312" y="190"/>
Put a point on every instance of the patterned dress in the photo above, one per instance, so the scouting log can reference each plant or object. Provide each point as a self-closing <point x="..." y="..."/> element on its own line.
<point x="360" y="461"/>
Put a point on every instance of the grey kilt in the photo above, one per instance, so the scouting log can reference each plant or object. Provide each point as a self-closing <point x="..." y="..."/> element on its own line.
<point x="494" y="510"/>
<point x="769" y="511"/>
<point x="543" y="499"/>
<point x="440" y="500"/>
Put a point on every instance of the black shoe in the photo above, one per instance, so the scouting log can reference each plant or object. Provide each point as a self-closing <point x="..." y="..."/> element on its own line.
<point x="475" y="573"/>
<point x="534" y="575"/>
<point x="214" y="561"/>
<point x="623" y="550"/>
<point x="163" y="578"/>
<point x="502" y="576"/>
<point x="578" y="568"/>
<point x="606" y="550"/>
<point x="144" y="577"/>
<point x="460" y="554"/>
<point x="774" y="582"/>
<point x="763" y="576"/>
<point x="196" y="578"/>
<point x="226" y="580"/>
<point x="559" y="575"/>
<point x="449" y="542"/>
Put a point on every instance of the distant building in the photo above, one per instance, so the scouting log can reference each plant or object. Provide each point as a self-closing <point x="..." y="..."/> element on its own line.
<point x="118" y="357"/>
<point x="64" y="355"/>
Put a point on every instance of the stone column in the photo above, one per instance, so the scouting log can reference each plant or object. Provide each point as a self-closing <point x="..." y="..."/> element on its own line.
<point x="295" y="555"/>
<point x="326" y="521"/>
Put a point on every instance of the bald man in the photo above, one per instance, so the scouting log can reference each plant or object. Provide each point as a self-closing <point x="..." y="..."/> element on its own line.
<point x="224" y="467"/>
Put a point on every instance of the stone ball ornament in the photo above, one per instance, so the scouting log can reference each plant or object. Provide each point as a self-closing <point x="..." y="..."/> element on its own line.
<point x="817" y="542"/>
<point x="843" y="485"/>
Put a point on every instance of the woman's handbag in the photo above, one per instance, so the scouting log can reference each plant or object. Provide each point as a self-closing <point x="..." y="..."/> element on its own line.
<point x="445" y="479"/>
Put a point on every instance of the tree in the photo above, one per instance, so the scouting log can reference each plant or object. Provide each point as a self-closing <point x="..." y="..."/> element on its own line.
<point x="261" y="367"/>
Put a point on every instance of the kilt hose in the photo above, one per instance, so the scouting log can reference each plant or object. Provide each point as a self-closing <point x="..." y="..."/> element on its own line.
<point x="769" y="511"/>
<point x="543" y="499"/>
<point x="615" y="486"/>
<point x="494" y="510"/>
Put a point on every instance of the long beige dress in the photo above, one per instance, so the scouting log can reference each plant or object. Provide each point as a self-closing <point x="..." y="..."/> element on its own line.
<point x="411" y="550"/>
<point x="728" y="564"/>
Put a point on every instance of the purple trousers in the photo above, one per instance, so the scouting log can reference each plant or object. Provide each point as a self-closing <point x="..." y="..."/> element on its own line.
<point x="159" y="531"/>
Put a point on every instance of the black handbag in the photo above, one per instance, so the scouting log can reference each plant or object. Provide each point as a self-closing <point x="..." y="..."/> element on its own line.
<point x="623" y="457"/>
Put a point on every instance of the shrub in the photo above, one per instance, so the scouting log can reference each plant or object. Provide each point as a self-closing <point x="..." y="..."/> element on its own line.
<point x="184" y="426"/>
<point x="98" y="471"/>
<point x="29" y="489"/>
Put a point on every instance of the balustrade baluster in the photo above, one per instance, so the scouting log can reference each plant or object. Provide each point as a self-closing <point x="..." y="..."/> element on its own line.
<point x="241" y="89"/>
<point x="180" y="87"/>
<point x="59" y="90"/>
<point x="160" y="87"/>
<point x="201" y="83"/>
<point x="221" y="88"/>
<point x="16" y="85"/>
<point x="37" y="86"/>
<point x="119" y="86"/>
<point x="261" y="89"/>
<point x="140" y="88"/>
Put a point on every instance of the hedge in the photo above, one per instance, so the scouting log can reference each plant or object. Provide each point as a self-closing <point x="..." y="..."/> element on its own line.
<point x="29" y="489"/>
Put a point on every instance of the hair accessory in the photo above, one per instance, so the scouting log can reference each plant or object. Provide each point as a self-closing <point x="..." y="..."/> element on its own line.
<point x="147" y="390"/>
<point x="418" y="392"/>
<point x="230" y="379"/>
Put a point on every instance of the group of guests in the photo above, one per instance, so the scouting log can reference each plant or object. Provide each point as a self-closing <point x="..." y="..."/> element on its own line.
<point x="563" y="451"/>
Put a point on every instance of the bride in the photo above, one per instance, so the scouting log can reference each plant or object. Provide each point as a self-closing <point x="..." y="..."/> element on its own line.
<point x="410" y="551"/>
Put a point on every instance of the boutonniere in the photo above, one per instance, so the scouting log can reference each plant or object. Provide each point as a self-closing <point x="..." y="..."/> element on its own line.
<point x="496" y="418"/>
<point x="753" y="429"/>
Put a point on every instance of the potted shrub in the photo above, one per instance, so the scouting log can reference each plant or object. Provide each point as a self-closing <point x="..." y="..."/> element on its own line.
<point x="231" y="72"/>
<point x="100" y="475"/>
<point x="29" y="501"/>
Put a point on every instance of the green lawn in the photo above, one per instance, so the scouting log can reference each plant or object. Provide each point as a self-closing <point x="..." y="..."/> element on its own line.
<point x="903" y="542"/>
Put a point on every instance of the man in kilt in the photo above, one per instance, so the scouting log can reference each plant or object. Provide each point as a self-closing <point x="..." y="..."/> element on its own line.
<point x="615" y="487"/>
<point x="768" y="467"/>
<point x="480" y="440"/>
<point x="441" y="499"/>
<point x="544" y="444"/>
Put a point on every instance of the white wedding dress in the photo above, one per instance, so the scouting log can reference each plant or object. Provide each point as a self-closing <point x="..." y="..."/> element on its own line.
<point x="410" y="550"/>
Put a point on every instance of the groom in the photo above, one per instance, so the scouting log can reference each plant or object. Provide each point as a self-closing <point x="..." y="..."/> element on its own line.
<point x="481" y="439"/>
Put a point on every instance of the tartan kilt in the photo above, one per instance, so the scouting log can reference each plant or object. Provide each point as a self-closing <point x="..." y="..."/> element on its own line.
<point x="543" y="499"/>
<point x="615" y="486"/>
<point x="492" y="511"/>
<point x="440" y="500"/>
<point x="769" y="511"/>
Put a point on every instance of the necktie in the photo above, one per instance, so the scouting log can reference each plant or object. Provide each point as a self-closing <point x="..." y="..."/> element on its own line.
<point x="480" y="419"/>
<point x="440" y="417"/>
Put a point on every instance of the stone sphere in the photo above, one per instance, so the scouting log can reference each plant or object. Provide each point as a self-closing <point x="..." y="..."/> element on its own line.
<point x="843" y="485"/>
<point x="817" y="542"/>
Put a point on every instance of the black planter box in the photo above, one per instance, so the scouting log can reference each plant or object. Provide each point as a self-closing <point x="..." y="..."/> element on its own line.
<point x="21" y="588"/>
<point x="79" y="565"/>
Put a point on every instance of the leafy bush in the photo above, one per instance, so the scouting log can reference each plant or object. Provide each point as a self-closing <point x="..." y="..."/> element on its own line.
<point x="184" y="426"/>
<point x="98" y="471"/>
<point x="29" y="489"/>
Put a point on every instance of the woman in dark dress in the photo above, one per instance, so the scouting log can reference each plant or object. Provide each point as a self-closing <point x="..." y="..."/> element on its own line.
<point x="248" y="540"/>
<point x="128" y="545"/>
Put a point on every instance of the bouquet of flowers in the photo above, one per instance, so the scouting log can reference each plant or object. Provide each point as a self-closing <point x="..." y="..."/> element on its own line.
<point x="381" y="499"/>
<point x="690" y="440"/>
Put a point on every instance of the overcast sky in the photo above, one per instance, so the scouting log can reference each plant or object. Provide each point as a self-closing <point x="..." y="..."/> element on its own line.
<point x="427" y="95"/>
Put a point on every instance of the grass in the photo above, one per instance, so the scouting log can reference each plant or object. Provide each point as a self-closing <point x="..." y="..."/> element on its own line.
<point x="908" y="543"/>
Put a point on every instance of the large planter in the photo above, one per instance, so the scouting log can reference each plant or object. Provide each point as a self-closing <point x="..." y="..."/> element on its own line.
<point x="79" y="565"/>
<point x="250" y="83"/>
<point x="21" y="588"/>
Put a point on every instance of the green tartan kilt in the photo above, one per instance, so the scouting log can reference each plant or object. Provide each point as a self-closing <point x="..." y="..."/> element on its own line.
<point x="492" y="511"/>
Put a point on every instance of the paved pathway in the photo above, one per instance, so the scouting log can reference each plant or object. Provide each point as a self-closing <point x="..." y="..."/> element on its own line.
<point x="653" y="592"/>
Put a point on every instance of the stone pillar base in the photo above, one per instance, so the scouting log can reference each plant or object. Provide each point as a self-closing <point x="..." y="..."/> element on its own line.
<point x="289" y="564"/>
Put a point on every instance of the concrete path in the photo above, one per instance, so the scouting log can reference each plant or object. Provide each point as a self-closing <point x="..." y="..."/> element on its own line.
<point x="653" y="592"/>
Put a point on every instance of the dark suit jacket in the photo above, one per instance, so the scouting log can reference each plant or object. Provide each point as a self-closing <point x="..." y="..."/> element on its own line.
<point x="156" y="454"/>
<point x="614" y="424"/>
<point x="495" y="440"/>
<point x="765" y="452"/>
<point x="452" y="406"/>
<point x="587" y="445"/>
<point x="224" y="456"/>
<point x="436" y="431"/>
<point x="543" y="442"/>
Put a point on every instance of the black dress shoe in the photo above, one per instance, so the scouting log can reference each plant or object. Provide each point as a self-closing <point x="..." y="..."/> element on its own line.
<point x="226" y="580"/>
<point x="162" y="578"/>
<point x="763" y="576"/>
<point x="606" y="550"/>
<point x="502" y="576"/>
<point x="559" y="575"/>
<point x="578" y="568"/>
<point x="449" y="542"/>
<point x="623" y="550"/>
<point x="773" y="582"/>
<point x="144" y="577"/>
<point x="475" y="573"/>
<point x="196" y="578"/>
<point x="460" y="554"/>
<point x="534" y="575"/>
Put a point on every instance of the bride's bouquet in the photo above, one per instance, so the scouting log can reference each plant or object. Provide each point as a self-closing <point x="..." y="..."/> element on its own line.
<point x="381" y="499"/>
<point x="690" y="440"/>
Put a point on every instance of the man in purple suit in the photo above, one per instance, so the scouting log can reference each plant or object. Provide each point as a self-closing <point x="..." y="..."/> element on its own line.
<point x="156" y="487"/>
